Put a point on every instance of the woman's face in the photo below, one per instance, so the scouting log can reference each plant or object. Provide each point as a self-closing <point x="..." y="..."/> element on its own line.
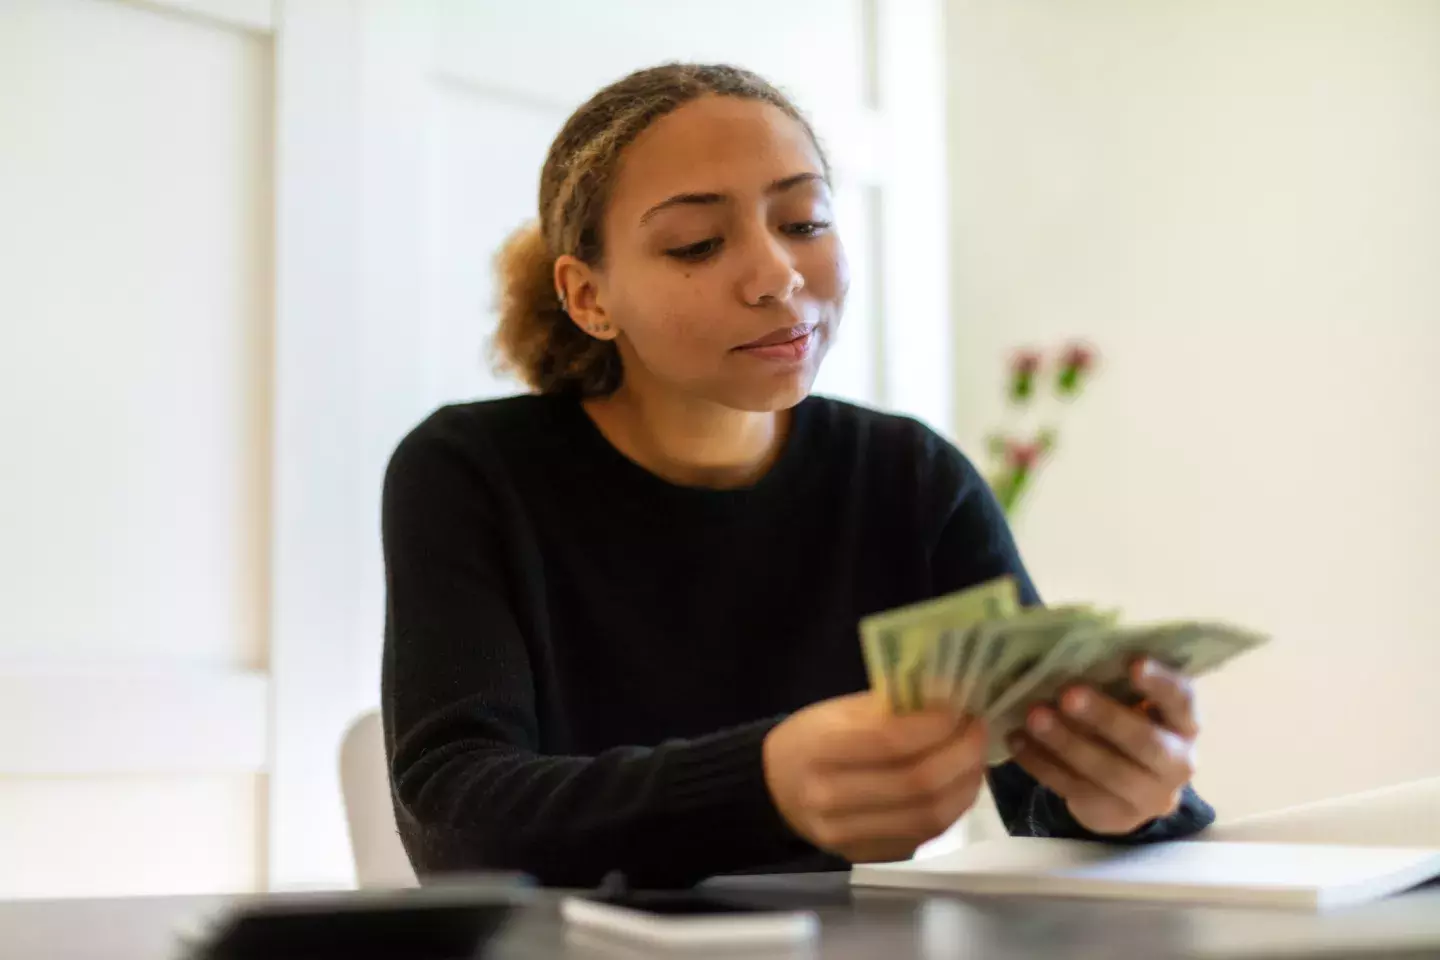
<point x="723" y="278"/>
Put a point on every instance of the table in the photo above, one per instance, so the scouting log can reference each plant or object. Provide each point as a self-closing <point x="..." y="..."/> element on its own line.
<point x="855" y="925"/>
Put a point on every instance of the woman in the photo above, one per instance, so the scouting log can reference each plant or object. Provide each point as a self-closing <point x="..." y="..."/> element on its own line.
<point x="621" y="621"/>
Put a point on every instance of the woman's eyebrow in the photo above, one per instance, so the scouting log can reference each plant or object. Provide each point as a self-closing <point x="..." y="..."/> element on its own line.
<point x="706" y="199"/>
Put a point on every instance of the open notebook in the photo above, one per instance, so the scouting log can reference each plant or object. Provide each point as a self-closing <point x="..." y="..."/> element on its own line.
<point x="1302" y="876"/>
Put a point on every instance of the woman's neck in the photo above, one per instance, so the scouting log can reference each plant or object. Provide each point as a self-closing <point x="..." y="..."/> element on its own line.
<point x="693" y="443"/>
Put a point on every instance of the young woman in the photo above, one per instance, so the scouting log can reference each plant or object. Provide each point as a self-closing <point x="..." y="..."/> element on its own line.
<point x="621" y="625"/>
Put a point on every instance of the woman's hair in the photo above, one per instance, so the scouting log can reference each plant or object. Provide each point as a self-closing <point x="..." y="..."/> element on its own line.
<point x="535" y="338"/>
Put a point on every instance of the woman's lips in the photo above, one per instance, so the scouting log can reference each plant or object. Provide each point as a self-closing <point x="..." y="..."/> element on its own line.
<point x="788" y="345"/>
<point x="783" y="335"/>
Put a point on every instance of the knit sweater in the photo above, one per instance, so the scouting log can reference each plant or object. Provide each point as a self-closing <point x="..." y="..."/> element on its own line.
<point x="582" y="660"/>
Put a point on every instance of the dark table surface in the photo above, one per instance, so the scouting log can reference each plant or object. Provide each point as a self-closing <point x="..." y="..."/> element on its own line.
<point x="855" y="924"/>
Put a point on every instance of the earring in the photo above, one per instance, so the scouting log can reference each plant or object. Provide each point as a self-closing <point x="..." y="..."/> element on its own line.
<point x="564" y="304"/>
<point x="599" y="328"/>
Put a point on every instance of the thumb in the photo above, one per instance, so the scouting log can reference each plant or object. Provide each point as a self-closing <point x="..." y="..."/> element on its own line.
<point x="862" y="730"/>
<point x="909" y="735"/>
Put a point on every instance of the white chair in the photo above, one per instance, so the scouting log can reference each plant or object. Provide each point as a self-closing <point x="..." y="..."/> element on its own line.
<point x="1403" y="815"/>
<point x="380" y="858"/>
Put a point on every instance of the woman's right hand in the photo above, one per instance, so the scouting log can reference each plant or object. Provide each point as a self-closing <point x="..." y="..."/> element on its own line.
<point x="863" y="783"/>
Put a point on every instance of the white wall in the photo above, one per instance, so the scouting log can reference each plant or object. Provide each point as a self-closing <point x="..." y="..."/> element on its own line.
<point x="1239" y="202"/>
<point x="135" y="311"/>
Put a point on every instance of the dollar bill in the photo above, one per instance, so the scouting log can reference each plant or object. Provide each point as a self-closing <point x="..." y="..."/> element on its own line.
<point x="946" y="655"/>
<point x="1099" y="655"/>
<point x="989" y="654"/>
<point x="1191" y="648"/>
<point x="983" y="654"/>
<point x="1067" y="660"/>
<point x="974" y="685"/>
<point x="1028" y="640"/>
<point x="881" y="650"/>
<point x="1017" y="645"/>
<point x="899" y="645"/>
<point x="955" y="689"/>
<point x="901" y="653"/>
<point x="1204" y="646"/>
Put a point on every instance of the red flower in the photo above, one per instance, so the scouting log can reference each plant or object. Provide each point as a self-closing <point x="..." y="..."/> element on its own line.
<point x="1022" y="456"/>
<point x="1079" y="356"/>
<point x="1075" y="366"/>
<point x="1022" y="375"/>
<point x="1026" y="362"/>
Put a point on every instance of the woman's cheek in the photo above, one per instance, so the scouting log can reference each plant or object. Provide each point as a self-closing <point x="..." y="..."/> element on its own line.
<point x="684" y="334"/>
<point x="842" y="275"/>
<point x="827" y="271"/>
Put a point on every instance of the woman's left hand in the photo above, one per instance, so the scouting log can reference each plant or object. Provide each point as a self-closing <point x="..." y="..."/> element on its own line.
<point x="1115" y="767"/>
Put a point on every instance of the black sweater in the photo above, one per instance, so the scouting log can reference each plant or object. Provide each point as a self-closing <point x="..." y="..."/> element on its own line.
<point x="582" y="659"/>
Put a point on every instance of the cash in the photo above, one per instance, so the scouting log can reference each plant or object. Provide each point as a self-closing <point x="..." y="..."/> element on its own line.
<point x="983" y="654"/>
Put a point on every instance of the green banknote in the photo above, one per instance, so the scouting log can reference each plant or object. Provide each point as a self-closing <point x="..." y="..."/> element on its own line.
<point x="900" y="646"/>
<point x="1065" y="662"/>
<point x="1014" y="646"/>
<point x="979" y="651"/>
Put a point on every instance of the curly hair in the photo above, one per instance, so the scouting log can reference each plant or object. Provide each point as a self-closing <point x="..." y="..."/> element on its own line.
<point x="535" y="338"/>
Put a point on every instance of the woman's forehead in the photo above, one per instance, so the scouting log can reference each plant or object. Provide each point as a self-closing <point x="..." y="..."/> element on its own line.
<point x="713" y="145"/>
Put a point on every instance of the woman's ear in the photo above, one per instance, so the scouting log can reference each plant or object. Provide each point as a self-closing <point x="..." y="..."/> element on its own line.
<point x="577" y="287"/>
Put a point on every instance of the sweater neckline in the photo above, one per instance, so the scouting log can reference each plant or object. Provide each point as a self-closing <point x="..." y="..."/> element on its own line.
<point x="625" y="470"/>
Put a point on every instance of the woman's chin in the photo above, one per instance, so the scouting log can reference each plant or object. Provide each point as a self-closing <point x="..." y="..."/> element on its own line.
<point x="769" y="383"/>
<point x="773" y="393"/>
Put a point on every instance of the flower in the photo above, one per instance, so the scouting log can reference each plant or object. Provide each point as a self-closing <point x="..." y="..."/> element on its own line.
<point x="1077" y="361"/>
<point x="1080" y="356"/>
<point x="1022" y="456"/>
<point x="1015" y="462"/>
<point x="1026" y="362"/>
<point x="1023" y="368"/>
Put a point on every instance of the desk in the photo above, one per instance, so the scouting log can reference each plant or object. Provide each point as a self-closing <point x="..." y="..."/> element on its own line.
<point x="858" y="925"/>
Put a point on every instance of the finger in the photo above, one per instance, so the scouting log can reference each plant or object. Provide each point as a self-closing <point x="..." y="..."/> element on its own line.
<point x="914" y="823"/>
<point x="1127" y="731"/>
<point x="1101" y="765"/>
<point x="849" y="789"/>
<point x="874" y="736"/>
<point x="1171" y="692"/>
<point x="1050" y="771"/>
<point x="1092" y="807"/>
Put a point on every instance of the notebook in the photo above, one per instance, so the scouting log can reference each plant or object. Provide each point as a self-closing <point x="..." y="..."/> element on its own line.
<point x="1303" y="876"/>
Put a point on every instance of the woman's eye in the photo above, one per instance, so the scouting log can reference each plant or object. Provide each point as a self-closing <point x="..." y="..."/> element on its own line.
<point x="695" y="251"/>
<point x="807" y="228"/>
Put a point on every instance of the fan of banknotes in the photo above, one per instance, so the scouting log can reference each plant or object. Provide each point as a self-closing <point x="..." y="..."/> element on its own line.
<point x="980" y="651"/>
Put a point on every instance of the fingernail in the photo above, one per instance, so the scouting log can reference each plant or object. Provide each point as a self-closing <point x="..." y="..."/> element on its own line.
<point x="1149" y="669"/>
<point x="1041" y="722"/>
<point x="1078" y="702"/>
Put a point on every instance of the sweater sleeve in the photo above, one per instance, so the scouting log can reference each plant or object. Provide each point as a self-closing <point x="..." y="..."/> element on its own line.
<point x="975" y="545"/>
<point x="471" y="786"/>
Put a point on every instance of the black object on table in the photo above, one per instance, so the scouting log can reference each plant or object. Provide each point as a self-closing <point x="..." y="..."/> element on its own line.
<point x="452" y="921"/>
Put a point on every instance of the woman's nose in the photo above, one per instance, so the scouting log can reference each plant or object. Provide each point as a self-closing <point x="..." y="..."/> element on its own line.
<point x="770" y="275"/>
